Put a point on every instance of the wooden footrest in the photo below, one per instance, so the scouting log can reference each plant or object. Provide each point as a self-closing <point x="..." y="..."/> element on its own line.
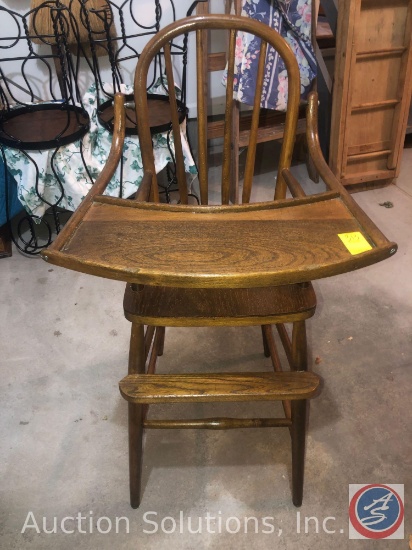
<point x="260" y="386"/>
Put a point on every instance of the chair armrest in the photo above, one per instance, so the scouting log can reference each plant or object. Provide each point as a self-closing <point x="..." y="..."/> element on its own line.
<point x="329" y="177"/>
<point x="103" y="178"/>
<point x="315" y="151"/>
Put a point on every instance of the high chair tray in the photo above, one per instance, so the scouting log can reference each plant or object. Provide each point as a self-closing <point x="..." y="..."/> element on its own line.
<point x="255" y="245"/>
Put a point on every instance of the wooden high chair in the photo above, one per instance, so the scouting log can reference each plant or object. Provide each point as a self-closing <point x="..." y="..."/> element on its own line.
<point x="206" y="265"/>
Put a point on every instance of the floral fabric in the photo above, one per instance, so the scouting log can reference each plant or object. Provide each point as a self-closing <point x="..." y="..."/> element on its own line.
<point x="64" y="179"/>
<point x="291" y="19"/>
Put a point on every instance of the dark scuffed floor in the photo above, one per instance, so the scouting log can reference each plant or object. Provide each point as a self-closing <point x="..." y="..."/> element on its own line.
<point x="63" y="424"/>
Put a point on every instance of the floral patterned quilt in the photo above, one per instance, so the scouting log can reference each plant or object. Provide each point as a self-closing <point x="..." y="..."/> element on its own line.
<point x="66" y="165"/>
<point x="292" y="19"/>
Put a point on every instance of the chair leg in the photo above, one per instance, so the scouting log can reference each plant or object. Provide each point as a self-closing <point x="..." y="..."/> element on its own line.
<point x="136" y="366"/>
<point x="299" y="346"/>
<point x="161" y="331"/>
<point x="298" y="432"/>
<point x="266" y="349"/>
<point x="148" y="339"/>
<point x="299" y="410"/>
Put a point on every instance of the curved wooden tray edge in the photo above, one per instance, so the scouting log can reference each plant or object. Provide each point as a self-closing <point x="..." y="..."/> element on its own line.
<point x="217" y="280"/>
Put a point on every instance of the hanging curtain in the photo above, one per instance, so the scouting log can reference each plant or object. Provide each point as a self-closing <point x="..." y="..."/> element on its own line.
<point x="290" y="18"/>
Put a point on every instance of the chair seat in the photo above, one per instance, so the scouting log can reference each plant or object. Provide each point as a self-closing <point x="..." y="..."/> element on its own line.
<point x="246" y="246"/>
<point x="168" y="306"/>
<point x="203" y="388"/>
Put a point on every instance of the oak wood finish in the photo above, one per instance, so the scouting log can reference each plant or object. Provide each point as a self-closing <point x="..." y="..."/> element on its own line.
<point x="148" y="340"/>
<point x="143" y="193"/>
<point x="157" y="350"/>
<point x="219" y="423"/>
<point x="202" y="116"/>
<point x="294" y="186"/>
<point x="227" y="136"/>
<point x="217" y="265"/>
<point x="161" y="333"/>
<point x="231" y="23"/>
<point x="180" y="165"/>
<point x="102" y="181"/>
<point x="135" y="416"/>
<point x="179" y="307"/>
<point x="280" y="243"/>
<point x="251" y="152"/>
<point x="299" y="414"/>
<point x="335" y="185"/>
<point x="206" y="388"/>
<point x="266" y="350"/>
<point x="299" y="347"/>
<point x="277" y="366"/>
<point x="286" y="343"/>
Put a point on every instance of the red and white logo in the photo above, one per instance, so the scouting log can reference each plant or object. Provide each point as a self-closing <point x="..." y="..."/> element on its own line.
<point x="376" y="511"/>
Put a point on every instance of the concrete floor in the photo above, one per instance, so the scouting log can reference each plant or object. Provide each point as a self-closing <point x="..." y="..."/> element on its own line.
<point x="63" y="424"/>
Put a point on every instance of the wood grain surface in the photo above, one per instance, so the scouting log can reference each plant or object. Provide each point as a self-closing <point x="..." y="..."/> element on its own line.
<point x="169" y="306"/>
<point x="240" y="250"/>
<point x="262" y="386"/>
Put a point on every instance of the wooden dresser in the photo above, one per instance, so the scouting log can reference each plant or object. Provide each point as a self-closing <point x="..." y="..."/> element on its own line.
<point x="372" y="91"/>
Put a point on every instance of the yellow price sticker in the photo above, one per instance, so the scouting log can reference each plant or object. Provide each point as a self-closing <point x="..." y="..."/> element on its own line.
<point x="355" y="242"/>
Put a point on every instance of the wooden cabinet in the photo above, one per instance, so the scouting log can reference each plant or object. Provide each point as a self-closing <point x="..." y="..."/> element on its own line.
<point x="372" y="90"/>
